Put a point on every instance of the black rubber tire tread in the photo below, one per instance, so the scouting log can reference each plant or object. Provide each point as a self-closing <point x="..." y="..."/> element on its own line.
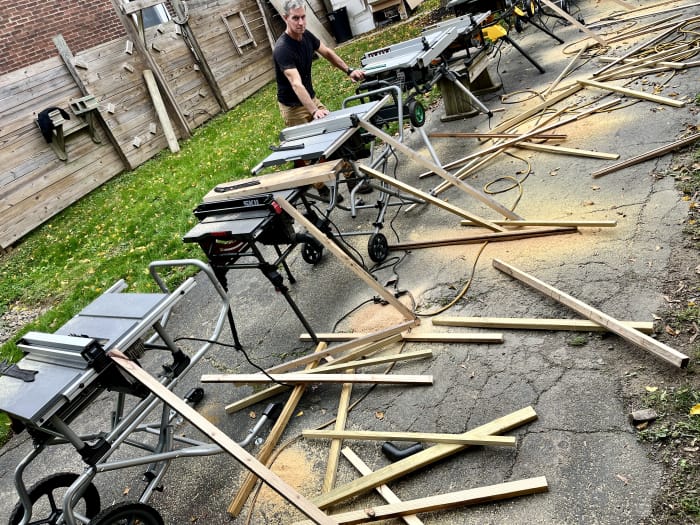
<point x="416" y="113"/>
<point x="312" y="252"/>
<point x="377" y="247"/>
<point x="128" y="513"/>
<point x="46" y="486"/>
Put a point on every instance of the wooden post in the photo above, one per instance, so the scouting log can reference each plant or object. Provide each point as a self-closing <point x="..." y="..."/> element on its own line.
<point x="161" y="111"/>
<point x="234" y="449"/>
<point x="657" y="348"/>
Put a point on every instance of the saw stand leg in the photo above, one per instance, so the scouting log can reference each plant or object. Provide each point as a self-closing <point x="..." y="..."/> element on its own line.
<point x="508" y="39"/>
<point x="452" y="77"/>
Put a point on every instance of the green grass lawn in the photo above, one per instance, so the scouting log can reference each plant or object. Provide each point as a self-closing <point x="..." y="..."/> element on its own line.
<point x="141" y="216"/>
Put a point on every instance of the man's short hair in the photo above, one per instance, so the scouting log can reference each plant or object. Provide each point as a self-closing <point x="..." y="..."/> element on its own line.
<point x="292" y="4"/>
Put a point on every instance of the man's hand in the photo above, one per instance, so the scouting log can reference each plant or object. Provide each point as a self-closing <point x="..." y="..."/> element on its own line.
<point x="320" y="113"/>
<point x="357" y="75"/>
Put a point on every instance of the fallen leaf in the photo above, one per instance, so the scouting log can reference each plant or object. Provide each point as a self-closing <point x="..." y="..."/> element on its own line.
<point x="379" y="415"/>
<point x="300" y="413"/>
<point x="671" y="331"/>
<point x="651" y="388"/>
<point x="252" y="415"/>
<point x="594" y="188"/>
<point x="695" y="411"/>
<point x="588" y="203"/>
<point x="126" y="490"/>
<point x="622" y="478"/>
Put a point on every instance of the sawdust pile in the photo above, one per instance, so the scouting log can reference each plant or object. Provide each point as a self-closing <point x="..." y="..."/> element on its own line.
<point x="297" y="470"/>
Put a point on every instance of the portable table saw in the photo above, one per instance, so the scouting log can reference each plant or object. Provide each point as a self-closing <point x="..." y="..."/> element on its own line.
<point x="68" y="371"/>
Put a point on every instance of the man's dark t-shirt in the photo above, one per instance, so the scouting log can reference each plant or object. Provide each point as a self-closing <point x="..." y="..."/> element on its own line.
<point x="292" y="54"/>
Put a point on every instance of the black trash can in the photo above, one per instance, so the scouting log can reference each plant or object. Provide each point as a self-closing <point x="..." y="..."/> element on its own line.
<point x="340" y="24"/>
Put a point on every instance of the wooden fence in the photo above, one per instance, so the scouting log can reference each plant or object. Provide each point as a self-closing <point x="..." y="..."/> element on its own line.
<point x="205" y="64"/>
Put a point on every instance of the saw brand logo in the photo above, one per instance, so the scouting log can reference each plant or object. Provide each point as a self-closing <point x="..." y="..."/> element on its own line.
<point x="252" y="202"/>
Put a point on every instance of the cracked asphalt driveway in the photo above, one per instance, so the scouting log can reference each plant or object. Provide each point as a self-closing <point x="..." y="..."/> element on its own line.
<point x="582" y="441"/>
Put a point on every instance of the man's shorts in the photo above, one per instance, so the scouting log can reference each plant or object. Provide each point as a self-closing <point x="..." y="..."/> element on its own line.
<point x="295" y="115"/>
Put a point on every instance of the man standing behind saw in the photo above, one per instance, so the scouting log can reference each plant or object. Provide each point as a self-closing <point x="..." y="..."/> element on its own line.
<point x="293" y="54"/>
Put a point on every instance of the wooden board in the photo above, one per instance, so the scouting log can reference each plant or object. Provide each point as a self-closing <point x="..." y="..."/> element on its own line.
<point x="236" y="451"/>
<point x="425" y="337"/>
<point x="575" y="22"/>
<point x="428" y="437"/>
<point x="583" y="325"/>
<point x="561" y="150"/>
<point x="421" y="459"/>
<point x="283" y="180"/>
<point x="634" y="93"/>
<point x="502" y="236"/>
<point x="300" y="378"/>
<point x="334" y="451"/>
<point x="657" y="348"/>
<point x="451" y="500"/>
<point x="545" y="222"/>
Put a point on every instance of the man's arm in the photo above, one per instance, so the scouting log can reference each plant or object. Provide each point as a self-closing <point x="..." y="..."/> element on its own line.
<point x="326" y="52"/>
<point x="302" y="94"/>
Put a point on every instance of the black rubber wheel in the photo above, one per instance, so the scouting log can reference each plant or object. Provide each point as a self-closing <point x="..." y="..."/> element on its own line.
<point x="312" y="251"/>
<point x="377" y="247"/>
<point x="47" y="496"/>
<point x="518" y="24"/>
<point x="416" y="113"/>
<point x="531" y="7"/>
<point x="128" y="513"/>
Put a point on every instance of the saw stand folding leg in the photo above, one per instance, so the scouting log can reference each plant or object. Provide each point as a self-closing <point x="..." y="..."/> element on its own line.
<point x="75" y="371"/>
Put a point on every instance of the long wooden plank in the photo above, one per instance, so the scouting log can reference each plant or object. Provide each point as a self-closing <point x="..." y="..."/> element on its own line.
<point x="583" y="325"/>
<point x="299" y="378"/>
<point x="657" y="348"/>
<point x="468" y="135"/>
<point x="424" y="337"/>
<point x="510" y="235"/>
<point x="336" y="444"/>
<point x="234" y="449"/>
<point x="565" y="223"/>
<point x="421" y="459"/>
<point x="561" y="150"/>
<point x="271" y="441"/>
<point x="347" y="260"/>
<point x="451" y="500"/>
<point x="652" y="154"/>
<point x="161" y="112"/>
<point x="383" y="490"/>
<point x="634" y="93"/>
<point x="428" y="437"/>
<point x="427" y="197"/>
<point x="355" y="353"/>
<point x="439" y="170"/>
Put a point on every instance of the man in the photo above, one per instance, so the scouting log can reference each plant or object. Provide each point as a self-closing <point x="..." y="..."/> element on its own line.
<point x="293" y="55"/>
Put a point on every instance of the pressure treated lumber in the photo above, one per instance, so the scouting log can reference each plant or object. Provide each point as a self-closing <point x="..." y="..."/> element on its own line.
<point x="581" y="325"/>
<point x="299" y="378"/>
<point x="161" y="112"/>
<point x="424" y="337"/>
<point x="383" y="490"/>
<point x="421" y="459"/>
<point x="652" y="154"/>
<point x="347" y="260"/>
<point x="336" y="444"/>
<point x="634" y="93"/>
<point x="657" y="348"/>
<point x="439" y="170"/>
<point x="428" y="437"/>
<point x="535" y="222"/>
<point x="221" y="439"/>
<point x="467" y="135"/>
<point x="562" y="150"/>
<point x="355" y="353"/>
<point x="427" y="197"/>
<point x="451" y="500"/>
<point x="342" y="347"/>
<point x="511" y="235"/>
<point x="267" y="448"/>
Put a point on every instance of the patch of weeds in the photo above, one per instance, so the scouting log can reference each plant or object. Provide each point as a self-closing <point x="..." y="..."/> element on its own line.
<point x="578" y="340"/>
